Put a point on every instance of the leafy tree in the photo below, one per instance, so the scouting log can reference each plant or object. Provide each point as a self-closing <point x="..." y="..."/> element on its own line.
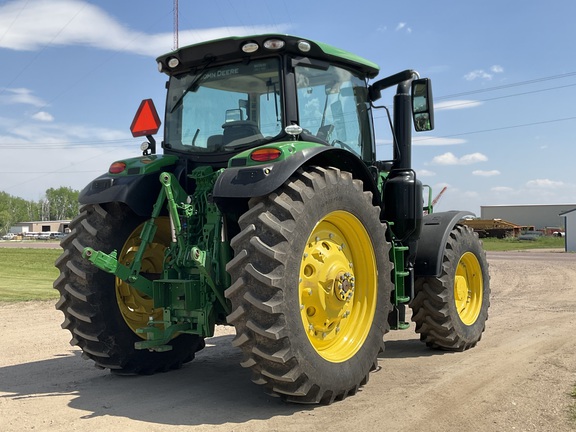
<point x="14" y="209"/>
<point x="61" y="203"/>
<point x="5" y="221"/>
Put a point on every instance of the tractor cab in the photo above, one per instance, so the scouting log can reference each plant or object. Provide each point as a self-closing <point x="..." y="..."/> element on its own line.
<point x="240" y="93"/>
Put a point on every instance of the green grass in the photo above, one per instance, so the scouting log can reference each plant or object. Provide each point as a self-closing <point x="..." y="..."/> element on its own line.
<point x="509" y="244"/>
<point x="28" y="274"/>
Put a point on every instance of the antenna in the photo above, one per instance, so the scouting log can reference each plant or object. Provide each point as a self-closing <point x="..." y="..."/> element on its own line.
<point x="175" y="25"/>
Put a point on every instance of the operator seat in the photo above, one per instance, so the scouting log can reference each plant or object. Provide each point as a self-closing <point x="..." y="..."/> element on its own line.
<point x="244" y="130"/>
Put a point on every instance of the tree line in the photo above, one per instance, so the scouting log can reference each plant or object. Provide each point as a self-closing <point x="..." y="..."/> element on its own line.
<point x="58" y="204"/>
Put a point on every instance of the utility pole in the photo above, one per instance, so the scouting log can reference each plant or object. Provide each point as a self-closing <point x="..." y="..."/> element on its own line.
<point x="175" y="25"/>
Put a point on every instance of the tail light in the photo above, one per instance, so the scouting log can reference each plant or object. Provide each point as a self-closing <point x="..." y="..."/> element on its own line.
<point x="265" y="154"/>
<point x="117" y="168"/>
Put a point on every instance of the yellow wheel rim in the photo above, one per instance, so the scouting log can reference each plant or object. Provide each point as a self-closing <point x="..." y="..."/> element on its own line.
<point x="135" y="307"/>
<point x="338" y="286"/>
<point x="468" y="288"/>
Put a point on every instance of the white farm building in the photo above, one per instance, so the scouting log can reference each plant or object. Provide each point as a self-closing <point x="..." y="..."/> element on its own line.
<point x="570" y="217"/>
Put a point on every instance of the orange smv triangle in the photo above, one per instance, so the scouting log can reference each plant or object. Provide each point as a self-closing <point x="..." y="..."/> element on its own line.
<point x="146" y="120"/>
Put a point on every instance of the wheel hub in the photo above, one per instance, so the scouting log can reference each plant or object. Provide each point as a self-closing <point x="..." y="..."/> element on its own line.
<point x="344" y="286"/>
<point x="336" y="286"/>
<point x="327" y="287"/>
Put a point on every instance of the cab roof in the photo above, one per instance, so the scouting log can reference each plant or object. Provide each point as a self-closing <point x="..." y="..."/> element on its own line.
<point x="230" y="49"/>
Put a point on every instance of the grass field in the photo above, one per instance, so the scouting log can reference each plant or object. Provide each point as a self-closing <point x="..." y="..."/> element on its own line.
<point x="510" y="244"/>
<point x="28" y="274"/>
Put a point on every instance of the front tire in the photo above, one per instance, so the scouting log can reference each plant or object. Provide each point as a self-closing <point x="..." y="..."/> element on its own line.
<point x="450" y="311"/>
<point x="311" y="287"/>
<point x="101" y="311"/>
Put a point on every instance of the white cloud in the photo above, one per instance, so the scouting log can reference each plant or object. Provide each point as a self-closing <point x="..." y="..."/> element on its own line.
<point x="51" y="135"/>
<point x="445" y="159"/>
<point x="402" y="26"/>
<point x="451" y="159"/>
<point x="71" y="155"/>
<point x="482" y="173"/>
<point x="424" y="141"/>
<point x="426" y="173"/>
<point x="473" y="158"/>
<point x="482" y="74"/>
<point x="12" y="96"/>
<point x="502" y="189"/>
<point x="456" y="104"/>
<point x="43" y="116"/>
<point x="478" y="73"/>
<point x="35" y="24"/>
<point x="436" y="141"/>
<point x="544" y="183"/>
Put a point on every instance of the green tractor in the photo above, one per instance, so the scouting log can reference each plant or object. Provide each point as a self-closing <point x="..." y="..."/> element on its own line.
<point x="268" y="211"/>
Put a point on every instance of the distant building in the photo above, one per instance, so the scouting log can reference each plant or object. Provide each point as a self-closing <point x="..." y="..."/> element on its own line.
<point x="570" y="217"/>
<point x="541" y="216"/>
<point x="40" y="227"/>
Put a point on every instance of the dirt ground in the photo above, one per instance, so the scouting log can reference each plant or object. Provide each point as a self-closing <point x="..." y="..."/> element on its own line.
<point x="518" y="378"/>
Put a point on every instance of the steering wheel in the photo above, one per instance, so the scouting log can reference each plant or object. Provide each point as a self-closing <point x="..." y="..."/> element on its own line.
<point x="343" y="145"/>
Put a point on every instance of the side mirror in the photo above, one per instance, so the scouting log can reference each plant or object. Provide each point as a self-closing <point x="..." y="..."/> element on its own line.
<point x="422" y="105"/>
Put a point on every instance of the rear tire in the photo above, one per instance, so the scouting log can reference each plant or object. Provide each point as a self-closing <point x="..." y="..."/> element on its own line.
<point x="102" y="312"/>
<point x="311" y="287"/>
<point x="450" y="311"/>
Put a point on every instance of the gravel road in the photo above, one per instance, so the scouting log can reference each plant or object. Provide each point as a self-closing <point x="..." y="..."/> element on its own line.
<point x="518" y="378"/>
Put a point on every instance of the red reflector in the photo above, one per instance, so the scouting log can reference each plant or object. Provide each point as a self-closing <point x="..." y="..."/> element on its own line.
<point x="117" y="168"/>
<point x="265" y="154"/>
<point x="146" y="120"/>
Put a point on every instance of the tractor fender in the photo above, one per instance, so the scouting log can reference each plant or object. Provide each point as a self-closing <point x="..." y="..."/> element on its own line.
<point x="139" y="192"/>
<point x="261" y="180"/>
<point x="436" y="228"/>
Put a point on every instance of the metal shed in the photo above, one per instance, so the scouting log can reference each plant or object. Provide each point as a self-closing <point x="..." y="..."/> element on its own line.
<point x="570" y="218"/>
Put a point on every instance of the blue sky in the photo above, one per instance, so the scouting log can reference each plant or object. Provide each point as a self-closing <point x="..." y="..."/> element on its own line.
<point x="73" y="72"/>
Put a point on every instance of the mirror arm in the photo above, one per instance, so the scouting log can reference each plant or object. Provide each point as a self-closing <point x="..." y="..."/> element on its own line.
<point x="374" y="91"/>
